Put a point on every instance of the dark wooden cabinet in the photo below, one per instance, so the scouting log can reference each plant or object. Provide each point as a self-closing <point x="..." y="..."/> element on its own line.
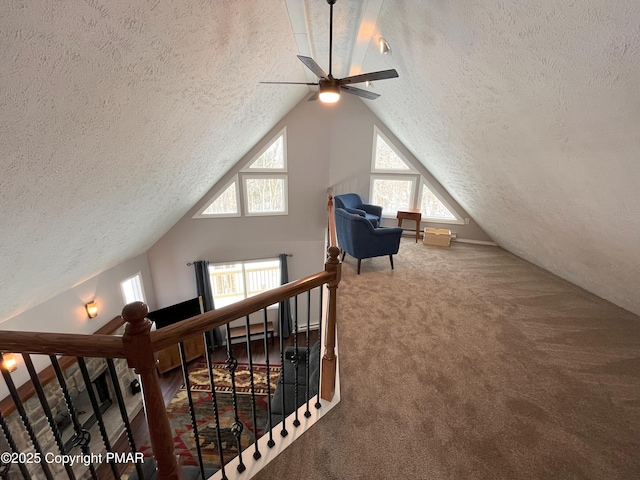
<point x="169" y="358"/>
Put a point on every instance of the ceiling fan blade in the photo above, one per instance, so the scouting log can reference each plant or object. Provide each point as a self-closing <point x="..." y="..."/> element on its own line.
<point x="311" y="64"/>
<point x="370" y="77"/>
<point x="359" y="92"/>
<point x="289" y="83"/>
<point x="314" y="96"/>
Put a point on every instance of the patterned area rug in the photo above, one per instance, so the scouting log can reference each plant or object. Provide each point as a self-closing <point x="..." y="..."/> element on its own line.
<point x="199" y="377"/>
<point x="180" y="418"/>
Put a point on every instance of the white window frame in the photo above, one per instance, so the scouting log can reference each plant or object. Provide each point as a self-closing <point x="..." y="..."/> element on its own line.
<point x="458" y="220"/>
<point x="243" y="263"/>
<point x="285" y="192"/>
<point x="412" y="177"/>
<point x="215" y="197"/>
<point x="129" y="279"/>
<point x="240" y="180"/>
<point x="247" y="168"/>
<point x="418" y="181"/>
<point x="411" y="169"/>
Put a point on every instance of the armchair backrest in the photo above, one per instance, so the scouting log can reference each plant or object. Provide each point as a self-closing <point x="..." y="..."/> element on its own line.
<point x="352" y="230"/>
<point x="352" y="203"/>
<point x="358" y="238"/>
<point x="348" y="200"/>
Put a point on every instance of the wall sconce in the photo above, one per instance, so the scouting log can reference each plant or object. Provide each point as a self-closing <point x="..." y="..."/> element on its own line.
<point x="384" y="46"/>
<point x="92" y="309"/>
<point x="9" y="362"/>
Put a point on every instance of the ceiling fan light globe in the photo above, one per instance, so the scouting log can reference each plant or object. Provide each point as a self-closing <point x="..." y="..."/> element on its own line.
<point x="329" y="97"/>
<point x="329" y="91"/>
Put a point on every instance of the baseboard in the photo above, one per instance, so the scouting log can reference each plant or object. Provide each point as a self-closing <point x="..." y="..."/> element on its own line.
<point x="412" y="234"/>
<point x="259" y="336"/>
<point x="475" y="242"/>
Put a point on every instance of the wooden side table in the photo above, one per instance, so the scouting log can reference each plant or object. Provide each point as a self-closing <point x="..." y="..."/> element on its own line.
<point x="410" y="215"/>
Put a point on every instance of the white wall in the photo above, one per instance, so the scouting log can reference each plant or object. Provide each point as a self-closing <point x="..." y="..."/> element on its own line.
<point x="326" y="145"/>
<point x="66" y="312"/>
<point x="300" y="233"/>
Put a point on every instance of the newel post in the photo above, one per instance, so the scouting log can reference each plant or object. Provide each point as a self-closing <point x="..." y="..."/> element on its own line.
<point x="333" y="239"/>
<point x="327" y="387"/>
<point x="139" y="353"/>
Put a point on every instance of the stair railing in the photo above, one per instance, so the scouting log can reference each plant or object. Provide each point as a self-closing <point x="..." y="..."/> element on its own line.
<point x="139" y="345"/>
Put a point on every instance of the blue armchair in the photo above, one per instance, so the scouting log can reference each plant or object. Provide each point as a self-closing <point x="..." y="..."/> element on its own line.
<point x="352" y="203"/>
<point x="358" y="238"/>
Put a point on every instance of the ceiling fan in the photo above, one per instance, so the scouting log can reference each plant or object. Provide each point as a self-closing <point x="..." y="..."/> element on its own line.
<point x="329" y="88"/>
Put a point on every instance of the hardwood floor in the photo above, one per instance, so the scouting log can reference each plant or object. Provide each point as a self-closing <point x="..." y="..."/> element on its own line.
<point x="170" y="383"/>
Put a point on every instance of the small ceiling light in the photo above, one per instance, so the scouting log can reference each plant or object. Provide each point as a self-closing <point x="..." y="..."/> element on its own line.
<point x="92" y="309"/>
<point x="9" y="362"/>
<point x="329" y="92"/>
<point x="368" y="84"/>
<point x="384" y="46"/>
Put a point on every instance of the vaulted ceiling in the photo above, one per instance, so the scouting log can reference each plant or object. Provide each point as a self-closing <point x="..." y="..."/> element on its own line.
<point x="116" y="117"/>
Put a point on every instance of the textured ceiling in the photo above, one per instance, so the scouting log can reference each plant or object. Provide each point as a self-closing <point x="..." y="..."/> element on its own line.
<point x="116" y="117"/>
<point x="529" y="114"/>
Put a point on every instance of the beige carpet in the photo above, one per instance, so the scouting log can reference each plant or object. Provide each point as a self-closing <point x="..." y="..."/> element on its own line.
<point x="470" y="363"/>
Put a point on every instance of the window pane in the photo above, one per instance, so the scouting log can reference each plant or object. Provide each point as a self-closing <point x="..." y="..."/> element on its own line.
<point x="273" y="157"/>
<point x="231" y="283"/>
<point x="386" y="158"/>
<point x="227" y="284"/>
<point x="392" y="195"/>
<point x="265" y="195"/>
<point x="262" y="276"/>
<point x="225" y="204"/>
<point x="431" y="206"/>
<point x="132" y="290"/>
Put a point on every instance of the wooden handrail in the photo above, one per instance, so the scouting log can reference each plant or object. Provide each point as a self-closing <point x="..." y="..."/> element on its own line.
<point x="26" y="391"/>
<point x="110" y="346"/>
<point x="199" y="324"/>
<point x="73" y="344"/>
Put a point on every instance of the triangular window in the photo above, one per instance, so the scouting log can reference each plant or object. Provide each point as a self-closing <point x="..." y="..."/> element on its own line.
<point x="395" y="181"/>
<point x="386" y="158"/>
<point x="432" y="207"/>
<point x="261" y="182"/>
<point x="225" y="204"/>
<point x="271" y="158"/>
